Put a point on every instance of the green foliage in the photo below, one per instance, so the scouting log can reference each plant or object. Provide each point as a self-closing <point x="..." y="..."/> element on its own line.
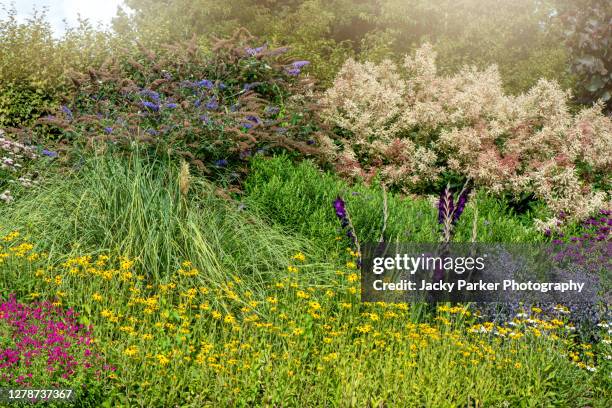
<point x="299" y="197"/>
<point x="20" y="104"/>
<point x="134" y="206"/>
<point x="519" y="36"/>
<point x="214" y="109"/>
<point x="33" y="64"/>
<point x="243" y="319"/>
<point x="588" y="34"/>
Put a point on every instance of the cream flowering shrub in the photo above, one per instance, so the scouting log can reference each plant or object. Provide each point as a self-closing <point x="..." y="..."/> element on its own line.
<point x="409" y="124"/>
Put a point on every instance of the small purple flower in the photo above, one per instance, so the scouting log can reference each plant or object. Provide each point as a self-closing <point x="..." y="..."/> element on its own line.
<point x="108" y="130"/>
<point x="340" y="208"/>
<point x="253" y="119"/>
<point x="152" y="132"/>
<point x="151" y="106"/>
<point x="154" y="96"/>
<point x="251" y="85"/>
<point x="461" y="202"/>
<point x="271" y="110"/>
<point x="49" y="153"/>
<point x="171" y="105"/>
<point x="256" y="51"/>
<point x="293" y="71"/>
<point x="300" y="64"/>
<point x="221" y="163"/>
<point x="212" y="103"/>
<point x="67" y="112"/>
<point x="205" y="119"/>
<point x="205" y="83"/>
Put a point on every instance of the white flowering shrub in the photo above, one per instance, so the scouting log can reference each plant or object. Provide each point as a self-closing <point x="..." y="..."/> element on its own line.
<point x="410" y="125"/>
<point x="17" y="166"/>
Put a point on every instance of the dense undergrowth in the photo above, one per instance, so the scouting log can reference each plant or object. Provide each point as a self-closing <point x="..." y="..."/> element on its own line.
<point x="180" y="224"/>
<point x="196" y="300"/>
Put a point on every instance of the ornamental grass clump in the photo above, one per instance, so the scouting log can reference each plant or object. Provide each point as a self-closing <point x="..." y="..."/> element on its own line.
<point x="414" y="127"/>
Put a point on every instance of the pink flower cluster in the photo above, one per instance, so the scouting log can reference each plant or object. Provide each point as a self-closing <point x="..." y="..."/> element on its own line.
<point x="44" y="345"/>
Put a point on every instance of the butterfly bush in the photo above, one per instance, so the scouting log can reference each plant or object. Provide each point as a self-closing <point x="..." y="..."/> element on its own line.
<point x="213" y="108"/>
<point x="410" y="125"/>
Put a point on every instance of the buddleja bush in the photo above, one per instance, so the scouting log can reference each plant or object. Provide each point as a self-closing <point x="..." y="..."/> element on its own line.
<point x="213" y="108"/>
<point x="412" y="126"/>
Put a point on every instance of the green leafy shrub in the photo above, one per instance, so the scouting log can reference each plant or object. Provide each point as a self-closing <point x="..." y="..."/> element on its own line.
<point x="300" y="197"/>
<point x="34" y="64"/>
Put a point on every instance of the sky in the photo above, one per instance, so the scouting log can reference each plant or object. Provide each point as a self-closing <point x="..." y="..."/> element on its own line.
<point x="95" y="10"/>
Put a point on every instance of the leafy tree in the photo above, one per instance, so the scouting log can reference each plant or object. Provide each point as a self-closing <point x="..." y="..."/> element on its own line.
<point x="520" y="36"/>
<point x="588" y="34"/>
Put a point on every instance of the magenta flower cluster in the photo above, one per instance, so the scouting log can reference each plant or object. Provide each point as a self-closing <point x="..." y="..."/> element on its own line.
<point x="45" y="345"/>
<point x="591" y="246"/>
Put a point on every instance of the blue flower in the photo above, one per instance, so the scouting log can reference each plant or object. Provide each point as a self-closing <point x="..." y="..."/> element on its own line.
<point x="221" y="163"/>
<point x="171" y="105"/>
<point x="68" y="112"/>
<point x="108" y="130"/>
<point x="212" y="103"/>
<point x="253" y="119"/>
<point x="206" y="119"/>
<point x="205" y="83"/>
<point x="256" y="51"/>
<point x="49" y="153"/>
<point x="300" y="64"/>
<point x="150" y="105"/>
<point x="151" y="94"/>
<point x="152" y="132"/>
<point x="251" y="85"/>
<point x="294" y="71"/>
